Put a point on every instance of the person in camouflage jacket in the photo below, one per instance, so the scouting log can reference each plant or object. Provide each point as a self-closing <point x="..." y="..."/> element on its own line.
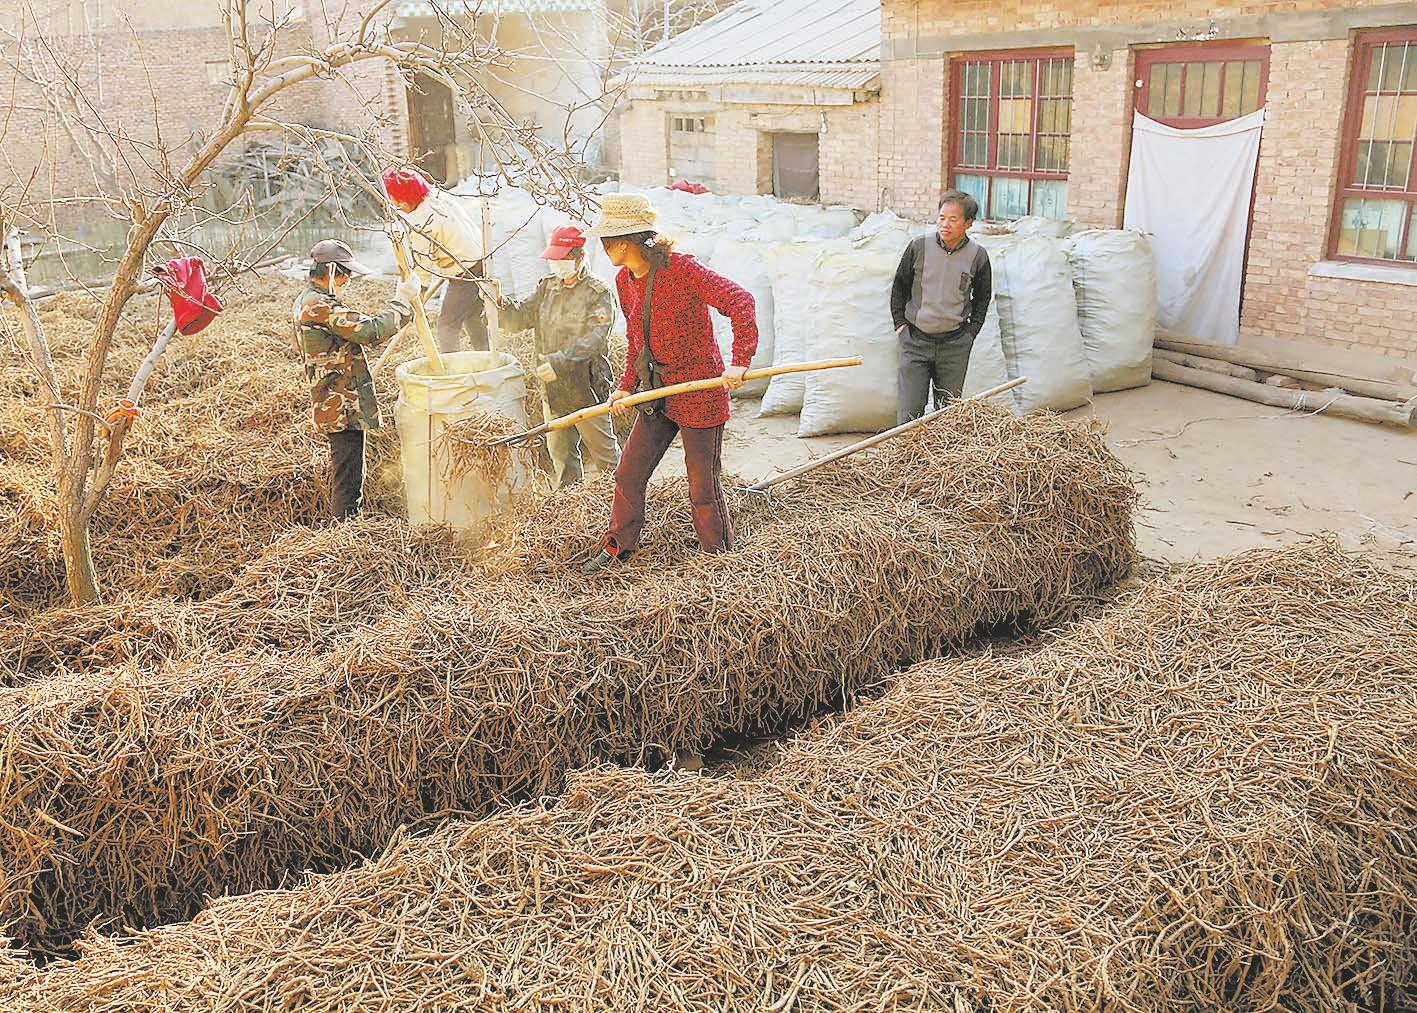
<point x="331" y="339"/>
<point x="572" y="312"/>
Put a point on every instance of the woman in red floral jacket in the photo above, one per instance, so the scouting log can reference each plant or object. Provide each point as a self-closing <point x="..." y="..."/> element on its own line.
<point x="681" y="347"/>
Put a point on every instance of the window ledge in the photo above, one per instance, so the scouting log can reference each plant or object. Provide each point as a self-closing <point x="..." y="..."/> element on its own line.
<point x="1395" y="275"/>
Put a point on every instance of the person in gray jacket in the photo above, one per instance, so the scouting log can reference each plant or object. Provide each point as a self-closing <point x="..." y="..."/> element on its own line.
<point x="572" y="312"/>
<point x="938" y="302"/>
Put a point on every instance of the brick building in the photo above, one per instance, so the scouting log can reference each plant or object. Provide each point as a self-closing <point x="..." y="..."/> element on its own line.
<point x="770" y="96"/>
<point x="1030" y="106"/>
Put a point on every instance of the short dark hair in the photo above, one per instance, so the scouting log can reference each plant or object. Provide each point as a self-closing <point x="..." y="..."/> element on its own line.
<point x="320" y="270"/>
<point x="967" y="204"/>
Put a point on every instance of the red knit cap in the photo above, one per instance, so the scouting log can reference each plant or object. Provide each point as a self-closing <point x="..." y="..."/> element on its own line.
<point x="406" y="184"/>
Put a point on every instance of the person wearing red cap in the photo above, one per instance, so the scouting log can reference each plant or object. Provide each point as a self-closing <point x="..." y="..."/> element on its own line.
<point x="571" y="312"/>
<point x="446" y="241"/>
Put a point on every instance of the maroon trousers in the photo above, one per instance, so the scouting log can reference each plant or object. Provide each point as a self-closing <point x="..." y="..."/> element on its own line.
<point x="703" y="459"/>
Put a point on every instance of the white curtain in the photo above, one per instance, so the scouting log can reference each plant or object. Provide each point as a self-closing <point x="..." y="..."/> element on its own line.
<point x="1189" y="192"/>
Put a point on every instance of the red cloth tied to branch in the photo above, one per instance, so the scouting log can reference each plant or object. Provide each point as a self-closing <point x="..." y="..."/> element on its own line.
<point x="194" y="305"/>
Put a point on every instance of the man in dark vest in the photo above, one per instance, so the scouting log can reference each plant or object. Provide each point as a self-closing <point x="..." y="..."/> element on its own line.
<point x="938" y="302"/>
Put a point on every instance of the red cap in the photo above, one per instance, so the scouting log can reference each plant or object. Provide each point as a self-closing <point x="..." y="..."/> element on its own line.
<point x="406" y="184"/>
<point x="563" y="241"/>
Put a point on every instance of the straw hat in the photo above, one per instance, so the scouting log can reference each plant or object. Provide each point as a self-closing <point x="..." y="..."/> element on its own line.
<point x="623" y="214"/>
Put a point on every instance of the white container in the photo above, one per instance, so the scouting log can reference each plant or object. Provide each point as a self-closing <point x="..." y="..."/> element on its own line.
<point x="475" y="382"/>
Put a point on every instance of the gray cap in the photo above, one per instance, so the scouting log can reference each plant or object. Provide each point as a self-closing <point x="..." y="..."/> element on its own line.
<point x="336" y="251"/>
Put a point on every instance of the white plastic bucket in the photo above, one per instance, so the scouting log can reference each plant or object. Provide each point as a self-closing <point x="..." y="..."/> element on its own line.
<point x="474" y="382"/>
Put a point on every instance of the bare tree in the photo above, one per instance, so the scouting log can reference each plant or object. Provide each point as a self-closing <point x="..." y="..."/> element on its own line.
<point x="160" y="188"/>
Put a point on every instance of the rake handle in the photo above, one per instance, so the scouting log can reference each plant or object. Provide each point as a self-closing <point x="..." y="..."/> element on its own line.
<point x="687" y="387"/>
<point x="872" y="441"/>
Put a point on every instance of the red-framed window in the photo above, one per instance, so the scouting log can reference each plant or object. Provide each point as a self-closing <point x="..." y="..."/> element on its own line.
<point x="1011" y="131"/>
<point x="1375" y="214"/>
<point x="1190" y="86"/>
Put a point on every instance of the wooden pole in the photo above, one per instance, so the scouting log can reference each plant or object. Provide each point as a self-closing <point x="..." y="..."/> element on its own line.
<point x="420" y="315"/>
<point x="689" y="386"/>
<point x="1397" y="385"/>
<point x="872" y="441"/>
<point x="1209" y="365"/>
<point x="1327" y="402"/>
<point x="428" y="293"/>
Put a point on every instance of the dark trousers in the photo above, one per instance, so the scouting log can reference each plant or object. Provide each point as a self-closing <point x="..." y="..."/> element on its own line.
<point x="703" y="459"/>
<point x="462" y="309"/>
<point x="346" y="473"/>
<point x="928" y="361"/>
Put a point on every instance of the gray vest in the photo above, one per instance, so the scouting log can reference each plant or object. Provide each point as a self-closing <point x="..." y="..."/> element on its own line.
<point x="945" y="283"/>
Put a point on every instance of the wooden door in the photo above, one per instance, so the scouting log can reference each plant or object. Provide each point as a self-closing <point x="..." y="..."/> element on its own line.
<point x="1193" y="85"/>
<point x="795" y="167"/>
<point x="432" y="130"/>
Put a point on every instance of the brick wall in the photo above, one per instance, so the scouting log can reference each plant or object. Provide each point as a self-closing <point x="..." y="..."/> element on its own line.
<point x="1101" y="140"/>
<point x="912" y="149"/>
<point x="1310" y="52"/>
<point x="1307" y="87"/>
<point x="920" y="18"/>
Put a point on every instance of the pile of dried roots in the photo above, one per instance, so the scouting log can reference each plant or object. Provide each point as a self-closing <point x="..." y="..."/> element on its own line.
<point x="1204" y="799"/>
<point x="133" y="791"/>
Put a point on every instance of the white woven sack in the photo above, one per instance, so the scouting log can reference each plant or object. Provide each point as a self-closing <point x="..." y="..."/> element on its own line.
<point x="1114" y="280"/>
<point x="743" y="263"/>
<point x="851" y="316"/>
<point x="1038" y="324"/>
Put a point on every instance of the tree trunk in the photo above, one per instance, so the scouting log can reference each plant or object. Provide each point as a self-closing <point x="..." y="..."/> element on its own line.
<point x="79" y="574"/>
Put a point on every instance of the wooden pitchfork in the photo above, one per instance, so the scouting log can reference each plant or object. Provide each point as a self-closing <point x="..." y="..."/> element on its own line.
<point x="595" y="411"/>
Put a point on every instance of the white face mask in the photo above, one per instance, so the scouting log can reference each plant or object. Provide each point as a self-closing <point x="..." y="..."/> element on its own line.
<point x="565" y="269"/>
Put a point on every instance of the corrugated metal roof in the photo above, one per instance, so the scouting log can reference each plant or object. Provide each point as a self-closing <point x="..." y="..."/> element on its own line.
<point x="855" y="77"/>
<point x="754" y="33"/>
<point x="427" y="8"/>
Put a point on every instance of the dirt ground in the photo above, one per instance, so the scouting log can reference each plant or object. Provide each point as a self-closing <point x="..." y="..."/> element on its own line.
<point x="1217" y="474"/>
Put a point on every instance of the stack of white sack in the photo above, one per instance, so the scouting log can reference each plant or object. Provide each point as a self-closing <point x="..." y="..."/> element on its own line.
<point x="1072" y="311"/>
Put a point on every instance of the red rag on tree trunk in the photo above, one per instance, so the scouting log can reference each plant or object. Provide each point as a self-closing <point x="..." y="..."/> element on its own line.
<point x="194" y="305"/>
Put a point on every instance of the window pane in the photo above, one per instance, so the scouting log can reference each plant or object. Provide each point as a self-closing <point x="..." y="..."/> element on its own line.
<point x="1394" y="66"/>
<point x="1015" y="116"/>
<point x="1050" y="198"/>
<point x="1172" y="90"/>
<point x="1210" y="90"/>
<point x="1016" y="79"/>
<point x="1371" y="228"/>
<point x="1390" y="117"/>
<point x="1052" y="154"/>
<point x="1412" y="234"/>
<point x="975" y="150"/>
<point x="1382" y="164"/>
<point x="1013" y="151"/>
<point x="1250" y="97"/>
<point x="1009" y="198"/>
<point x="978" y="188"/>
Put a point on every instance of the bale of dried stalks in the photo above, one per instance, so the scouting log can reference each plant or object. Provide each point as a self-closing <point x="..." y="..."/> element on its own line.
<point x="1204" y="799"/>
<point x="131" y="793"/>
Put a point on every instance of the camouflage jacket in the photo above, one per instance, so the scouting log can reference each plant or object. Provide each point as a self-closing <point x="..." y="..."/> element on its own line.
<point x="331" y="339"/>
<point x="573" y="334"/>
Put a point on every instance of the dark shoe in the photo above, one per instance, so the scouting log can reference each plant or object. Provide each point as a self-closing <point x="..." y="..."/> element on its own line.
<point x="602" y="560"/>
